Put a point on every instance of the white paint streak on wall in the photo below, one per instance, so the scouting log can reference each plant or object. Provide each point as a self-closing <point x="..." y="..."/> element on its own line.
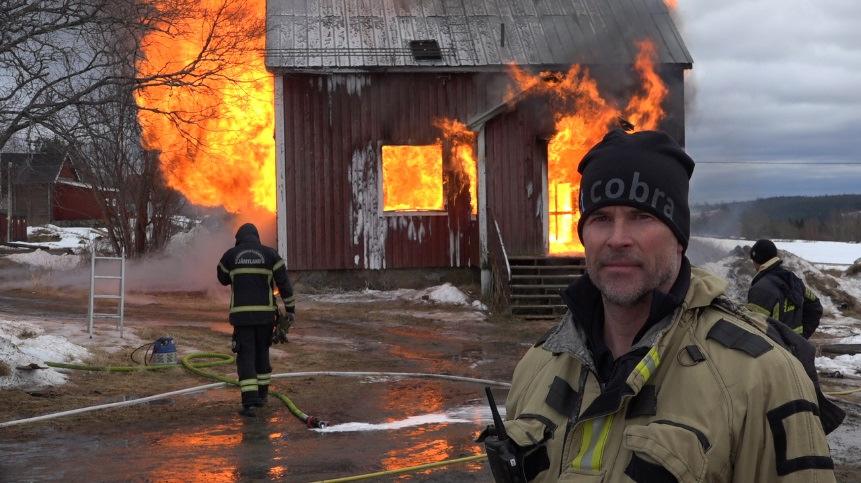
<point x="369" y="228"/>
<point x="411" y="231"/>
<point x="354" y="83"/>
<point x="454" y="247"/>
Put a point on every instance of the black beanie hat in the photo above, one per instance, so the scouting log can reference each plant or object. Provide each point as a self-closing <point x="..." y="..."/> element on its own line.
<point x="647" y="170"/>
<point x="763" y="251"/>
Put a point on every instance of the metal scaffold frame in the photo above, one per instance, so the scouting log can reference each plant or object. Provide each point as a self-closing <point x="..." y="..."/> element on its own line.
<point x="120" y="296"/>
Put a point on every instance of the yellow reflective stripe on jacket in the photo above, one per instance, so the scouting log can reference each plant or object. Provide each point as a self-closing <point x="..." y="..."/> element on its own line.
<point x="775" y="312"/>
<point x="223" y="268"/>
<point x="595" y="434"/>
<point x="278" y="265"/>
<point x="646" y="367"/>
<point x="799" y="329"/>
<point x="290" y="301"/>
<point x="250" y="271"/>
<point x="252" y="308"/>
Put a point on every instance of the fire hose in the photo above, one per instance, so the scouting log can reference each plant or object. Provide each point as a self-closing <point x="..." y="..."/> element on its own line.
<point x="196" y="368"/>
<point x="222" y="359"/>
<point x="310" y="421"/>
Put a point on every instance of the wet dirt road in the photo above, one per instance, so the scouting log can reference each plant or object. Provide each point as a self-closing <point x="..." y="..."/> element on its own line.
<point x="273" y="446"/>
<point x="200" y="437"/>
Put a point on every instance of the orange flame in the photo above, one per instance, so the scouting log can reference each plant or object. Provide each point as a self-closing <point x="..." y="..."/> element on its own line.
<point x="671" y="4"/>
<point x="462" y="142"/>
<point x="583" y="121"/>
<point x="227" y="158"/>
<point x="412" y="175"/>
<point x="412" y="178"/>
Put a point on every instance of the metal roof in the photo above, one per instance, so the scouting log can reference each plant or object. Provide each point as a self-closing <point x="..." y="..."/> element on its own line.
<point x="335" y="35"/>
<point x="34" y="168"/>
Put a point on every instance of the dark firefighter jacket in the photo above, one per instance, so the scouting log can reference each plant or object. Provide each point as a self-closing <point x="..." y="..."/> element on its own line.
<point x="708" y="397"/>
<point x="780" y="294"/>
<point x="253" y="270"/>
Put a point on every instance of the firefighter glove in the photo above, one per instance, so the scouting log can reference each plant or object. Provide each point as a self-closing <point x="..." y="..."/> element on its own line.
<point x="282" y="326"/>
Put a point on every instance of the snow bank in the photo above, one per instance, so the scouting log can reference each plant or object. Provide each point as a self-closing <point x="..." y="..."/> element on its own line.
<point x="820" y="252"/>
<point x="74" y="238"/>
<point x="23" y="343"/>
<point x="43" y="259"/>
<point x="446" y="294"/>
<point x="846" y="364"/>
<point x="855" y="339"/>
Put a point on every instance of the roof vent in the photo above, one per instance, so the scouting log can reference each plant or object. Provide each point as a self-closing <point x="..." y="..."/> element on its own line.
<point x="425" y="50"/>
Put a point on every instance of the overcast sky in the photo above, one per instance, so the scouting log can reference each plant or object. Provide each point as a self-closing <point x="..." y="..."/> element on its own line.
<point x="773" y="81"/>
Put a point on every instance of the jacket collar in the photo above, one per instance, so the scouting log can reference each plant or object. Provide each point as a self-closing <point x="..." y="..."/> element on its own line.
<point x="766" y="267"/>
<point x="770" y="263"/>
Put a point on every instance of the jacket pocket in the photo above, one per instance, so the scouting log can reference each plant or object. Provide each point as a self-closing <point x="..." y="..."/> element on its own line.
<point x="666" y="451"/>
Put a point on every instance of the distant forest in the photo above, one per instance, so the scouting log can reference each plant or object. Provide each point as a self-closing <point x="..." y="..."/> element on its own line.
<point x="835" y="218"/>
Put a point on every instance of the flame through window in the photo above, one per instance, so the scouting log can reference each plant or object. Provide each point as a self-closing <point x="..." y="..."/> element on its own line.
<point x="412" y="178"/>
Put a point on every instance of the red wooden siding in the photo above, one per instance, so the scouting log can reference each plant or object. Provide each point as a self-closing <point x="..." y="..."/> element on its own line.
<point x="74" y="203"/>
<point x="334" y="129"/>
<point x="336" y="124"/>
<point x="19" y="227"/>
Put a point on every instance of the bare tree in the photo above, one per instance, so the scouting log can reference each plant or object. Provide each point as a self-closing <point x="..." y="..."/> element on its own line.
<point x="56" y="54"/>
<point x="137" y="204"/>
<point x="73" y="67"/>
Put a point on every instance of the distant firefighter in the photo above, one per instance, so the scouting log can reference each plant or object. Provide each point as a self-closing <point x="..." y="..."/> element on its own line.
<point x="780" y="294"/>
<point x="253" y="271"/>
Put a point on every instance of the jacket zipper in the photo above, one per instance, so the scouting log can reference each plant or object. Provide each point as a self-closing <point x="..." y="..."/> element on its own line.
<point x="572" y="418"/>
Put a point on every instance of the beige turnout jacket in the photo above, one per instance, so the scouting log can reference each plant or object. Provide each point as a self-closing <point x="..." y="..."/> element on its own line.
<point x="714" y="400"/>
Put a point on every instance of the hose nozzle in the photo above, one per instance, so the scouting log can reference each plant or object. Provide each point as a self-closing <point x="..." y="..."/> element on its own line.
<point x="314" y="422"/>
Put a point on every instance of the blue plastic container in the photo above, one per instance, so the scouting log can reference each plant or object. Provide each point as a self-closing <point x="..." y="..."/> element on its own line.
<point x="164" y="351"/>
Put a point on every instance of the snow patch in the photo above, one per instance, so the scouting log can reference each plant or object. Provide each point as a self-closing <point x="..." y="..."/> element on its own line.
<point x="855" y="339"/>
<point x="446" y="294"/>
<point x="73" y="238"/>
<point x="43" y="259"/>
<point x="23" y="343"/>
<point x="846" y="364"/>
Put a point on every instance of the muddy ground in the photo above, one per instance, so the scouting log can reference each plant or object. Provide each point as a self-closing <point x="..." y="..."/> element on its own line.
<point x="201" y="438"/>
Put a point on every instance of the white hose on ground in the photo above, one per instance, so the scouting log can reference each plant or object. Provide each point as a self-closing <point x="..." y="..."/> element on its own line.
<point x="130" y="402"/>
<point x="191" y="390"/>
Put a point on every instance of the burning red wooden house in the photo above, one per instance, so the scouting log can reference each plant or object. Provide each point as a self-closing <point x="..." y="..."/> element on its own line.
<point x="421" y="134"/>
